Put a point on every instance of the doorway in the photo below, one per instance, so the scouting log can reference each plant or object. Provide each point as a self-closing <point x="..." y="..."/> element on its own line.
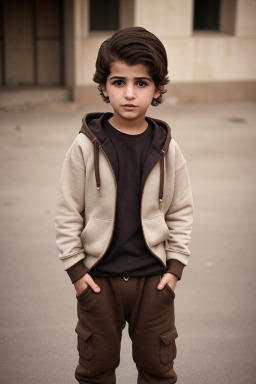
<point x="31" y="43"/>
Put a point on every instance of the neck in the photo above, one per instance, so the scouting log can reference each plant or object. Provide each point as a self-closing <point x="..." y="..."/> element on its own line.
<point x="131" y="127"/>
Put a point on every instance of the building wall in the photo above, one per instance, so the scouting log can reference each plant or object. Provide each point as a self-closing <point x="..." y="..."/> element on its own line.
<point x="165" y="18"/>
<point x="196" y="59"/>
<point x="202" y="65"/>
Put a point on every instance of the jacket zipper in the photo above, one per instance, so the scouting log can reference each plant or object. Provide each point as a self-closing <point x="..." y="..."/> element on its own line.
<point x="113" y="173"/>
<point x="141" y="214"/>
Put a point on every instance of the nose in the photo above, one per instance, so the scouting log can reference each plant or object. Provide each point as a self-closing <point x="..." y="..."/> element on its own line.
<point x="129" y="92"/>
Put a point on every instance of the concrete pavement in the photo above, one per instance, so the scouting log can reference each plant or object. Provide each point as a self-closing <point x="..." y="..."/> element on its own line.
<point x="215" y="305"/>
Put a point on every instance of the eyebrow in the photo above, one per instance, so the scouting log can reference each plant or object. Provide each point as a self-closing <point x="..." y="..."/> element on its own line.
<point x="136" y="78"/>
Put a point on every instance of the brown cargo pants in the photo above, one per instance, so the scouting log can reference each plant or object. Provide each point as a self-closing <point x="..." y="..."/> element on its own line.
<point x="102" y="317"/>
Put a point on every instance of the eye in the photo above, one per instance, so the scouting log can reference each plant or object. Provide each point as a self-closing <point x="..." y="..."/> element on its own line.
<point x="141" y="84"/>
<point x="118" y="83"/>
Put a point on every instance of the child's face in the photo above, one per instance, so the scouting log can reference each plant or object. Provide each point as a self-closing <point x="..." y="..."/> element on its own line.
<point x="130" y="90"/>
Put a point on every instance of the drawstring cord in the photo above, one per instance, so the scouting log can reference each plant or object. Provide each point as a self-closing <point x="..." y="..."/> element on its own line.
<point x="96" y="164"/>
<point x="96" y="147"/>
<point x="161" y="187"/>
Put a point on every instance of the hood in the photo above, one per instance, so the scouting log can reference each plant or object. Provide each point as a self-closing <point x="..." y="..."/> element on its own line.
<point x="92" y="128"/>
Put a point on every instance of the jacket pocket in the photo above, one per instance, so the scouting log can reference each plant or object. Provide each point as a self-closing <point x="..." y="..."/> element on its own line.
<point x="168" y="349"/>
<point x="156" y="230"/>
<point x="96" y="235"/>
<point x="84" y="342"/>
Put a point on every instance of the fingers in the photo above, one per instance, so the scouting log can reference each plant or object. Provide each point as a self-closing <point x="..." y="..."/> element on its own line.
<point x="168" y="278"/>
<point x="83" y="283"/>
<point x="89" y="280"/>
<point x="80" y="286"/>
<point x="163" y="281"/>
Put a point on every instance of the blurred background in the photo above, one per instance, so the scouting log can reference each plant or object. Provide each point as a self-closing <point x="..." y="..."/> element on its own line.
<point x="49" y="46"/>
<point x="47" y="59"/>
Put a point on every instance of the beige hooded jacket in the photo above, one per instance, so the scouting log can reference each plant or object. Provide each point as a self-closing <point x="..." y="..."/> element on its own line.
<point x="86" y="203"/>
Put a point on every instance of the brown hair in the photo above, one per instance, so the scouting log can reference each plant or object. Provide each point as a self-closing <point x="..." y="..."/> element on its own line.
<point x="133" y="46"/>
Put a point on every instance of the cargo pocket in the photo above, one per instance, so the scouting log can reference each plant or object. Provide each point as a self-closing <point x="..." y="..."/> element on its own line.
<point x="168" y="346"/>
<point x="84" y="342"/>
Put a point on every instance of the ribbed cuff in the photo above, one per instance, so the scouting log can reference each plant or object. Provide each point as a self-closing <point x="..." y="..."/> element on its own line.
<point x="77" y="271"/>
<point x="175" y="267"/>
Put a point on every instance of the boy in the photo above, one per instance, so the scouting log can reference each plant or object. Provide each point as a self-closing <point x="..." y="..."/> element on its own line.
<point x="124" y="216"/>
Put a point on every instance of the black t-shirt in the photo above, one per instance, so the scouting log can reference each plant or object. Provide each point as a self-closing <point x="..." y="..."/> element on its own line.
<point x="128" y="253"/>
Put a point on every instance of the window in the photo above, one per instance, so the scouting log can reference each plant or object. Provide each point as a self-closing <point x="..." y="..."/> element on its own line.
<point x="207" y="15"/>
<point x="104" y="15"/>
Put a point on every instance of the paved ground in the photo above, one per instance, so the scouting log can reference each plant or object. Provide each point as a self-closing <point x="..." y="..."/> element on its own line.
<point x="215" y="304"/>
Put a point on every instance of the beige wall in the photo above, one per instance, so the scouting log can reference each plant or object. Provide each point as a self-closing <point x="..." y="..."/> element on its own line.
<point x="211" y="58"/>
<point x="228" y="56"/>
<point x="223" y="57"/>
<point x="190" y="59"/>
<point x="165" y="17"/>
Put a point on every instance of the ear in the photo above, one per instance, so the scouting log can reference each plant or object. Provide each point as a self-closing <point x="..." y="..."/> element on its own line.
<point x="104" y="89"/>
<point x="158" y="91"/>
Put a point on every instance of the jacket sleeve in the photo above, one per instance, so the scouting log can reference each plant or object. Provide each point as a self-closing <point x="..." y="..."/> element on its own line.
<point x="179" y="218"/>
<point x="69" y="216"/>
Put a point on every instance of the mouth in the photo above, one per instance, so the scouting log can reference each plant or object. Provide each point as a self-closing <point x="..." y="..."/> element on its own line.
<point x="129" y="107"/>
